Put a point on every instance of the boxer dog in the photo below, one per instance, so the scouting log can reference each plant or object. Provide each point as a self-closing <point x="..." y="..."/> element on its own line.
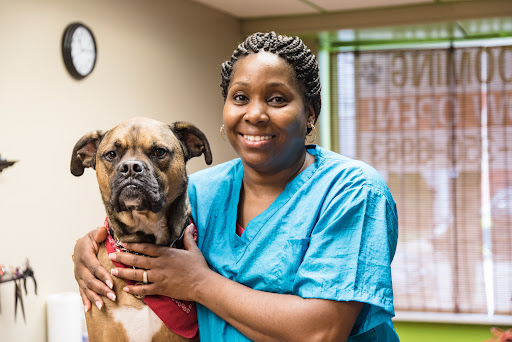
<point x="140" y="168"/>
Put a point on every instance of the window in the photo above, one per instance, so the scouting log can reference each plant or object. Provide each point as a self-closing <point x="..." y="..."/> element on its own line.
<point x="435" y="123"/>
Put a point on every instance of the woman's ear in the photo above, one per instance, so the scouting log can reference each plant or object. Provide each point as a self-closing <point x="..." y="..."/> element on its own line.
<point x="311" y="114"/>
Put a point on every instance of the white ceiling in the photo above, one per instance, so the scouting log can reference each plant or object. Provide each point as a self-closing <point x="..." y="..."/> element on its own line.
<point x="272" y="8"/>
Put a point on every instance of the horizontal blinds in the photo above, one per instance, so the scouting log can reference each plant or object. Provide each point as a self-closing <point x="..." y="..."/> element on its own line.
<point x="435" y="123"/>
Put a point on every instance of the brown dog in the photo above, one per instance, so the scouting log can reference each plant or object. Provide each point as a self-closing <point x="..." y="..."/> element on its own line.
<point x="140" y="167"/>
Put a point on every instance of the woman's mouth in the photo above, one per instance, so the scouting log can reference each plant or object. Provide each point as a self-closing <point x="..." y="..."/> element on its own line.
<point x="256" y="137"/>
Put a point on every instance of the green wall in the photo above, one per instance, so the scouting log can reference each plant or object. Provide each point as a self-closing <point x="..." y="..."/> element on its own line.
<point x="437" y="332"/>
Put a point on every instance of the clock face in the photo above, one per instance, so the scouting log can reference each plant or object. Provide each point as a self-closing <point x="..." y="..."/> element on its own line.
<point x="83" y="51"/>
<point x="79" y="50"/>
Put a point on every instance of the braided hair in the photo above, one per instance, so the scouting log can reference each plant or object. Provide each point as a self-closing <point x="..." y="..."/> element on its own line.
<point x="292" y="50"/>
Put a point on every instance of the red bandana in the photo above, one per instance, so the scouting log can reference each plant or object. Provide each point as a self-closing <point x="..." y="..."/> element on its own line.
<point x="179" y="316"/>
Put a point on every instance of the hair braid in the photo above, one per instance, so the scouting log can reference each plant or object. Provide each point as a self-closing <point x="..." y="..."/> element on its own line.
<point x="292" y="50"/>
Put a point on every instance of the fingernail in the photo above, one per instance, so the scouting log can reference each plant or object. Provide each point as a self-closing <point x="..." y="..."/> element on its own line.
<point x="99" y="304"/>
<point x="111" y="296"/>
<point x="109" y="284"/>
<point x="126" y="289"/>
<point x="112" y="256"/>
<point x="114" y="272"/>
<point x="86" y="308"/>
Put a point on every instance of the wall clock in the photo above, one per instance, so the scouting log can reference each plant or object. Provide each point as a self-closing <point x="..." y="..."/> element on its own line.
<point x="79" y="50"/>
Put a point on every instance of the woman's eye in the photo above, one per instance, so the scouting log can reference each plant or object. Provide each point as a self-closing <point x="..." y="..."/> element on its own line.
<point x="160" y="152"/>
<point x="240" y="98"/>
<point x="111" y="155"/>
<point x="277" y="100"/>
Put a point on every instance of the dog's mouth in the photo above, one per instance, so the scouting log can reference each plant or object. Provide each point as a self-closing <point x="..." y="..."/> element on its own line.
<point x="133" y="195"/>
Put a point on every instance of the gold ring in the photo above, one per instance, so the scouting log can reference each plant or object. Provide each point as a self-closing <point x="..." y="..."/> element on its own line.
<point x="145" y="277"/>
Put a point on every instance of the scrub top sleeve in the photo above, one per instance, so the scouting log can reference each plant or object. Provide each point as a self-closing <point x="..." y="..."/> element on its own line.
<point x="350" y="251"/>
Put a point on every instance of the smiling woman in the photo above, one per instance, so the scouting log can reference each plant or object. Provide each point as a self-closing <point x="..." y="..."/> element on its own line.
<point x="294" y="242"/>
<point x="265" y="115"/>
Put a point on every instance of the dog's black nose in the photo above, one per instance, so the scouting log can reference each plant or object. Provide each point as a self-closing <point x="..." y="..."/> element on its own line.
<point x="131" y="167"/>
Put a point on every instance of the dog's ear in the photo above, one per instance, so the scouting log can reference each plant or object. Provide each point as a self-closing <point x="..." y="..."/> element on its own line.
<point x="84" y="152"/>
<point x="194" y="141"/>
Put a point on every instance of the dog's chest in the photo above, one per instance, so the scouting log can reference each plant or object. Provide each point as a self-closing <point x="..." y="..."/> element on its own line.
<point x="141" y="324"/>
<point x="128" y="319"/>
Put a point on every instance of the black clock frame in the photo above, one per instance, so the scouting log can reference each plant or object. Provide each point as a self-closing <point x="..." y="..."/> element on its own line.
<point x="66" y="49"/>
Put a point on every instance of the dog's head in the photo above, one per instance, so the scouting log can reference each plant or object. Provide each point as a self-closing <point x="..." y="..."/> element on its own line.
<point x="140" y="165"/>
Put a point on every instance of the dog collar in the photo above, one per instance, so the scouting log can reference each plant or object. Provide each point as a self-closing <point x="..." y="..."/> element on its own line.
<point x="117" y="244"/>
<point x="178" y="315"/>
<point x="177" y="243"/>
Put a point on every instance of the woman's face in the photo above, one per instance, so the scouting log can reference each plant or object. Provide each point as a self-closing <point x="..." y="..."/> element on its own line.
<point x="264" y="114"/>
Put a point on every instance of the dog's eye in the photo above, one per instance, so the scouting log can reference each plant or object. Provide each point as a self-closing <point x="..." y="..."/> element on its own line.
<point x="111" y="155"/>
<point x="160" y="152"/>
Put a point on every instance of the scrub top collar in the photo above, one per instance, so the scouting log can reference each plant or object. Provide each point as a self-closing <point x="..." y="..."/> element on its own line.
<point x="257" y="223"/>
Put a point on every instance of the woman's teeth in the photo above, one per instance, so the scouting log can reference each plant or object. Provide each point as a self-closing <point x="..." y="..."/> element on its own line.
<point x="257" y="137"/>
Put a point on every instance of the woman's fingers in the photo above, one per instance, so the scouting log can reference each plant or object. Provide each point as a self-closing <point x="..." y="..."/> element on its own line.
<point x="140" y="261"/>
<point x="85" y="300"/>
<point x="101" y="234"/>
<point x="141" y="290"/>
<point x="190" y="237"/>
<point x="136" y="275"/>
<point x="148" y="249"/>
<point x="91" y="287"/>
<point x="93" y="280"/>
<point x="93" y="270"/>
<point x="88" y="263"/>
<point x="90" y="296"/>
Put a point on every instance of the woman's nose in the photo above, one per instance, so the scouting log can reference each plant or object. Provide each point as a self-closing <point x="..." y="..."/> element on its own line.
<point x="256" y="112"/>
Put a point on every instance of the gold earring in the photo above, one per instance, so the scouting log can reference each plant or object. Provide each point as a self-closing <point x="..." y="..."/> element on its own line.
<point x="223" y="133"/>
<point x="312" y="133"/>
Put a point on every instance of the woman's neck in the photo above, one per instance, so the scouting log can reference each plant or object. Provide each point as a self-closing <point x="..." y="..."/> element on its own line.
<point x="260" y="190"/>
<point x="276" y="180"/>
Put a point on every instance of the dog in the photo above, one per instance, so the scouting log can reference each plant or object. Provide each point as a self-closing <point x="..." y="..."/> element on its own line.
<point x="141" y="170"/>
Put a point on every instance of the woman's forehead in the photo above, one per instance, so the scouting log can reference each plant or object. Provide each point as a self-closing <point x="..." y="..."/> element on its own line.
<point x="263" y="64"/>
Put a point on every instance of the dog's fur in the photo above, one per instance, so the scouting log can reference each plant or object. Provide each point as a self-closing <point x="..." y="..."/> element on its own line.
<point x="141" y="172"/>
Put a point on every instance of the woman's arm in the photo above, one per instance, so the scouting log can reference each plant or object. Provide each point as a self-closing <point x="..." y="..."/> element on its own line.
<point x="261" y="316"/>
<point x="264" y="316"/>
<point x="91" y="277"/>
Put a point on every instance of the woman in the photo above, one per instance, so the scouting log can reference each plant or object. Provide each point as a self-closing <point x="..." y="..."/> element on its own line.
<point x="294" y="242"/>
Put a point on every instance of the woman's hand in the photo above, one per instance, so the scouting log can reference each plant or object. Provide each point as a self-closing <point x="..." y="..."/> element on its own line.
<point x="91" y="277"/>
<point x="171" y="272"/>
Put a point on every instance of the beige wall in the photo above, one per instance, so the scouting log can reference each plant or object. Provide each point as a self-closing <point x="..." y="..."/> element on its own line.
<point x="158" y="58"/>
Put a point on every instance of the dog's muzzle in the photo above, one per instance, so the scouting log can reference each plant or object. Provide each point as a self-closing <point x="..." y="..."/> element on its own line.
<point x="134" y="187"/>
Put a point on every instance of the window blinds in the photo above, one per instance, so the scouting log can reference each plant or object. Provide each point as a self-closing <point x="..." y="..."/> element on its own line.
<point x="435" y="123"/>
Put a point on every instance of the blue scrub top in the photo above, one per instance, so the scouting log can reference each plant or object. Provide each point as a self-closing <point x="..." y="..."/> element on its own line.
<point x="331" y="234"/>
